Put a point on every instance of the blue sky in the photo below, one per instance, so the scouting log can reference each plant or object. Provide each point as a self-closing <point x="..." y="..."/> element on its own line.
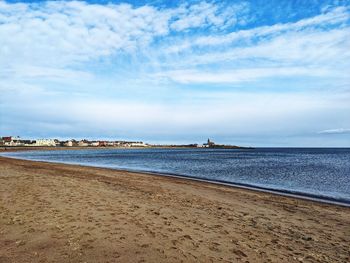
<point x="260" y="73"/>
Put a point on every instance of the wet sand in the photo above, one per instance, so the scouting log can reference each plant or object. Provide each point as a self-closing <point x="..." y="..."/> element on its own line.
<point x="65" y="213"/>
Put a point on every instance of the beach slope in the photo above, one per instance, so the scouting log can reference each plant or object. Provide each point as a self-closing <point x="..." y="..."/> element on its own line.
<point x="66" y="213"/>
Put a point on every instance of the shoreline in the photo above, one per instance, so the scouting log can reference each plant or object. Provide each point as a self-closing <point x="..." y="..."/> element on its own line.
<point x="53" y="212"/>
<point x="286" y="193"/>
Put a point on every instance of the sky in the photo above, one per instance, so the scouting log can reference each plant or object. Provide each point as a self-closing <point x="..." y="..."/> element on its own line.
<point x="254" y="73"/>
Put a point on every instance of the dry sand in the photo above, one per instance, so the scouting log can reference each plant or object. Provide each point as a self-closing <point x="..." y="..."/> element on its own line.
<point x="66" y="213"/>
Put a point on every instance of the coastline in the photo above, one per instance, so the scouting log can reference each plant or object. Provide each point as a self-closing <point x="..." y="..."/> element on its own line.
<point x="57" y="212"/>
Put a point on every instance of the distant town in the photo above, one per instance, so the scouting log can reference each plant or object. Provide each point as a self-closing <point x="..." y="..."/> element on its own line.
<point x="16" y="141"/>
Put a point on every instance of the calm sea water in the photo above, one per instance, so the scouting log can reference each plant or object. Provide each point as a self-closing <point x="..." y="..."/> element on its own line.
<point x="323" y="173"/>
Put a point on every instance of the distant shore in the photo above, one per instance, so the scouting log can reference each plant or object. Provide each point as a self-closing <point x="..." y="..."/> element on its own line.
<point x="66" y="213"/>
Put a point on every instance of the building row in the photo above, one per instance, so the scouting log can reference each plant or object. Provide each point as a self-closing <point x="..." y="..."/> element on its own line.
<point x="17" y="141"/>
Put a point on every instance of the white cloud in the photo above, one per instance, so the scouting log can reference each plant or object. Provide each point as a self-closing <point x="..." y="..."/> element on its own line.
<point x="55" y="40"/>
<point x="240" y="75"/>
<point x="335" y="131"/>
<point x="310" y="47"/>
<point x="33" y="72"/>
<point x="66" y="32"/>
<point x="332" y="17"/>
<point x="206" y="14"/>
<point x="70" y="32"/>
<point x="63" y="35"/>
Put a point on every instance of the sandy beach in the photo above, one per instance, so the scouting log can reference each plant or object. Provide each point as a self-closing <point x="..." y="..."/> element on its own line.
<point x="66" y="213"/>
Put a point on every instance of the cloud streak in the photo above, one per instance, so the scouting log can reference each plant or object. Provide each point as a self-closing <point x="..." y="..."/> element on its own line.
<point x="240" y="75"/>
<point x="336" y="16"/>
<point x="335" y="131"/>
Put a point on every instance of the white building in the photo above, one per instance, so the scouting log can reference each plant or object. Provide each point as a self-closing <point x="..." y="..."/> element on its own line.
<point x="95" y="144"/>
<point x="83" y="143"/>
<point x="44" y="142"/>
<point x="138" y="144"/>
<point x="68" y="143"/>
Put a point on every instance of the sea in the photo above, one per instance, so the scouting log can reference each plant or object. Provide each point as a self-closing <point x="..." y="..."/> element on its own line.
<point x="316" y="173"/>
